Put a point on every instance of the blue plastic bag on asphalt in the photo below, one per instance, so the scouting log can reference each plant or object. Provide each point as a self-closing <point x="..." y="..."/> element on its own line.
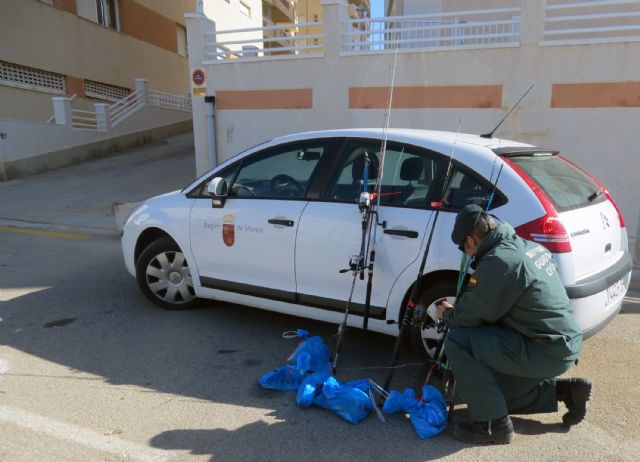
<point x="311" y="355"/>
<point x="285" y="378"/>
<point x="352" y="400"/>
<point x="428" y="415"/>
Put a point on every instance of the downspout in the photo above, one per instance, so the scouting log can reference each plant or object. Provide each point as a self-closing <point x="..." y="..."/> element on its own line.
<point x="210" y="102"/>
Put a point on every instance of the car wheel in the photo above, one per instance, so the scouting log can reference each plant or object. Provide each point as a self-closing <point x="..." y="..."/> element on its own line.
<point x="424" y="333"/>
<point x="163" y="275"/>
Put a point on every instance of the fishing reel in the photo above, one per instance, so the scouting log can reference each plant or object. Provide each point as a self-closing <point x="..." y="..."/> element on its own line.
<point x="356" y="263"/>
<point x="364" y="201"/>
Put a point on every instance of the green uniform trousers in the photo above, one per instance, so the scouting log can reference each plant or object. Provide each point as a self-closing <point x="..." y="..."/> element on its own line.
<point x="500" y="372"/>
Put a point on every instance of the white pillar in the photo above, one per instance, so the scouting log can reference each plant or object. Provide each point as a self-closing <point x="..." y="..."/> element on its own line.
<point x="200" y="30"/>
<point x="62" y="110"/>
<point x="103" y="119"/>
<point x="143" y="86"/>
<point x="334" y="11"/>
<point x="532" y="23"/>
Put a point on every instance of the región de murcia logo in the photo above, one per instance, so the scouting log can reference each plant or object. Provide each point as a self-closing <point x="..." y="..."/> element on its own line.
<point x="229" y="229"/>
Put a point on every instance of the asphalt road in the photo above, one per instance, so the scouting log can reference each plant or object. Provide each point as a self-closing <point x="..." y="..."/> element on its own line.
<point x="90" y="370"/>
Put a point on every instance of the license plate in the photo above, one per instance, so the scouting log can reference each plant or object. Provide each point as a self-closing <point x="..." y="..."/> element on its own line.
<point x="615" y="291"/>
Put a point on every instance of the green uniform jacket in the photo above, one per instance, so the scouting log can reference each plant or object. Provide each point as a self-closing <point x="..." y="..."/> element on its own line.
<point x="516" y="285"/>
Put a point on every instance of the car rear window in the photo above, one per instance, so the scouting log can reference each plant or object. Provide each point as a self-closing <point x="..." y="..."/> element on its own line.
<point x="566" y="186"/>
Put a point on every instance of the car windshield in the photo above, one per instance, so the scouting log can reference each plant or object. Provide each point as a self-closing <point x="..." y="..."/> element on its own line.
<point x="567" y="187"/>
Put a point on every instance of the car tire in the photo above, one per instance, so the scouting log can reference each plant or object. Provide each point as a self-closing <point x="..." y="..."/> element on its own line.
<point x="164" y="277"/>
<point x="424" y="334"/>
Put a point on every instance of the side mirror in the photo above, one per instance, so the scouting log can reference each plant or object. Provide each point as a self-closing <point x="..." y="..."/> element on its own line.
<point x="219" y="189"/>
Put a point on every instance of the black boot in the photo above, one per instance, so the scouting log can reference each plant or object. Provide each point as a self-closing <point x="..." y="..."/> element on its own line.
<point x="574" y="393"/>
<point x="498" y="431"/>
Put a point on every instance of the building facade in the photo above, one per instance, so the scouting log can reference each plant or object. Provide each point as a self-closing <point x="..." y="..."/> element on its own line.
<point x="93" y="49"/>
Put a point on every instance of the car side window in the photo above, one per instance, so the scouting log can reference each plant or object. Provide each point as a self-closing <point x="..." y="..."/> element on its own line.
<point x="280" y="173"/>
<point x="407" y="176"/>
<point x="467" y="188"/>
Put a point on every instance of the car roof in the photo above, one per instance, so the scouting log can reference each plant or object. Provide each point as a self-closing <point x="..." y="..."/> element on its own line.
<point x="420" y="137"/>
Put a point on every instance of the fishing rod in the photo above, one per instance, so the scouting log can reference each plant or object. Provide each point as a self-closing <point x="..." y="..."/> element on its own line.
<point x="356" y="262"/>
<point x="369" y="213"/>
<point x="413" y="301"/>
<point x="377" y="194"/>
<point x="448" y="380"/>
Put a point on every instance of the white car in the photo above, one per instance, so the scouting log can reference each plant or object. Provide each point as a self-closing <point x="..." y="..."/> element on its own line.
<point x="277" y="237"/>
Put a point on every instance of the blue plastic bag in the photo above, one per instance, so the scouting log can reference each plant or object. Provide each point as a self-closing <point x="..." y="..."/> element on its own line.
<point x="428" y="415"/>
<point x="311" y="355"/>
<point x="285" y="378"/>
<point x="352" y="400"/>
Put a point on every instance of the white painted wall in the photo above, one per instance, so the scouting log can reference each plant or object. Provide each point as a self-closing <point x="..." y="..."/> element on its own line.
<point x="29" y="139"/>
<point x="603" y="140"/>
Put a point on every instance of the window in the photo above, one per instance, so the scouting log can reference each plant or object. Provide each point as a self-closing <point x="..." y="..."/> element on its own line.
<point x="281" y="173"/>
<point x="181" y="37"/>
<point x="245" y="9"/>
<point x="407" y="176"/>
<point x="103" y="12"/>
<point x="466" y="188"/>
<point x="108" y="13"/>
<point x="566" y="186"/>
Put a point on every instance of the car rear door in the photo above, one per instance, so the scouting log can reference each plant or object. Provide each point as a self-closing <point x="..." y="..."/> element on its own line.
<point x="330" y="229"/>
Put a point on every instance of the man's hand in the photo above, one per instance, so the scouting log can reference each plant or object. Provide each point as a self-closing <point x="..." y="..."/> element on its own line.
<point x="442" y="305"/>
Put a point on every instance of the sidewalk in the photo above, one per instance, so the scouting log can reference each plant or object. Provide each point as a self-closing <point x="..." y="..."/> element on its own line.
<point x="82" y="196"/>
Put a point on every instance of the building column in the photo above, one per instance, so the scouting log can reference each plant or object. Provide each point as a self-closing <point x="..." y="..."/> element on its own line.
<point x="62" y="110"/>
<point x="103" y="118"/>
<point x="142" y="85"/>
<point x="200" y="30"/>
<point x="334" y="11"/>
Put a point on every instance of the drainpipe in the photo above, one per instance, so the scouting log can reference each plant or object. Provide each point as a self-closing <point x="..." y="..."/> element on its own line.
<point x="210" y="103"/>
<point x="3" y="171"/>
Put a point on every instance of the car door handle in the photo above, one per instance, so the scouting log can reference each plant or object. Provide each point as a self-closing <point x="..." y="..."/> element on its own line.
<point x="276" y="221"/>
<point x="402" y="232"/>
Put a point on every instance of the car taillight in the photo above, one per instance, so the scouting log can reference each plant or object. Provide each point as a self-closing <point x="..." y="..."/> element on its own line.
<point x="548" y="231"/>
<point x="615" y="206"/>
<point x="604" y="191"/>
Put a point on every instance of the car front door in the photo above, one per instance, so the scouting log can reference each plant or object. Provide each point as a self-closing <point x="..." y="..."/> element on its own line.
<point x="247" y="246"/>
<point x="330" y="229"/>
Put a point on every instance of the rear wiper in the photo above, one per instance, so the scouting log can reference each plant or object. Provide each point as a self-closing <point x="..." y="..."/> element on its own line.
<point x="594" y="195"/>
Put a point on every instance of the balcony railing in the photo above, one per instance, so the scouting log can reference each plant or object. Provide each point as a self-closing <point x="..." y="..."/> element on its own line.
<point x="456" y="30"/>
<point x="269" y="42"/>
<point x="581" y="22"/>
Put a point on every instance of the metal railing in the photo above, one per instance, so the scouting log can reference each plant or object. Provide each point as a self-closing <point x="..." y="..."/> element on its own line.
<point x="270" y="42"/>
<point x="591" y="22"/>
<point x="125" y="107"/>
<point x="169" y="101"/>
<point x="84" y="119"/>
<point x="490" y="28"/>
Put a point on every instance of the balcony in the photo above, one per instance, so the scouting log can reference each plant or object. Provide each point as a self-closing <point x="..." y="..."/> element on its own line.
<point x="279" y="10"/>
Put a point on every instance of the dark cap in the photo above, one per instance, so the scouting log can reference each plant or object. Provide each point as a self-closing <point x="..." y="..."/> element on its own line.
<point x="465" y="222"/>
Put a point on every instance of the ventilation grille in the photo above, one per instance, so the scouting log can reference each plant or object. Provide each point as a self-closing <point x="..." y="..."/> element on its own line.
<point x="33" y="79"/>
<point x="105" y="92"/>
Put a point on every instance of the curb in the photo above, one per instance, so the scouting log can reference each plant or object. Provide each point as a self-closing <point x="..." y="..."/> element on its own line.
<point x="59" y="227"/>
<point x="634" y="283"/>
<point x="121" y="212"/>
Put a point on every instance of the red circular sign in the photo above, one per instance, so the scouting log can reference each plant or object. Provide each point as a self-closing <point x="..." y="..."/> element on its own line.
<point x="198" y="76"/>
